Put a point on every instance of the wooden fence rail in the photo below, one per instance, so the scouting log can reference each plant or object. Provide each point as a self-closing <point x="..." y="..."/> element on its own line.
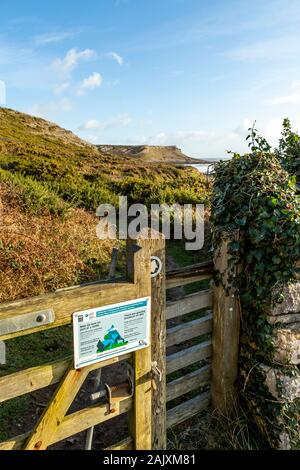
<point x="182" y="276"/>
<point x="182" y="334"/>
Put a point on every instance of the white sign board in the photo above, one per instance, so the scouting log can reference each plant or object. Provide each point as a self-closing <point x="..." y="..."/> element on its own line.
<point x="105" y="332"/>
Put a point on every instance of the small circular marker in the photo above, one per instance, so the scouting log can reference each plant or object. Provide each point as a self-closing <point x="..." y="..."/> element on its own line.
<point x="156" y="266"/>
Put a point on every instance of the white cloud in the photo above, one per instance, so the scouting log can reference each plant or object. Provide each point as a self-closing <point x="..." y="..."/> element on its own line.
<point x="270" y="129"/>
<point x="291" y="98"/>
<point x="53" y="108"/>
<point x="278" y="48"/>
<point x="180" y="138"/>
<point x="295" y="84"/>
<point x="93" y="81"/>
<point x="93" y="124"/>
<point x="194" y="136"/>
<point x="12" y="54"/>
<point x="61" y="88"/>
<point x="70" y="61"/>
<point x="49" y="38"/>
<point x="116" y="57"/>
<point x="242" y="129"/>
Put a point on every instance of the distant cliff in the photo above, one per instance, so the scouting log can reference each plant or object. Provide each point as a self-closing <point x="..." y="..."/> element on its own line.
<point x="149" y="153"/>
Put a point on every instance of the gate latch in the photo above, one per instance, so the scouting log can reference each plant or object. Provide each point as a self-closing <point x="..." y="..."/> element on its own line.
<point x="118" y="392"/>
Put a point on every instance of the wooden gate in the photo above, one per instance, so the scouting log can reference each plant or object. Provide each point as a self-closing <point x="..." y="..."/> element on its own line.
<point x="177" y="364"/>
<point x="55" y="424"/>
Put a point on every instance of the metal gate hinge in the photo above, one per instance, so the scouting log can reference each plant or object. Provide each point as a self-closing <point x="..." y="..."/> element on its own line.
<point x="26" y="321"/>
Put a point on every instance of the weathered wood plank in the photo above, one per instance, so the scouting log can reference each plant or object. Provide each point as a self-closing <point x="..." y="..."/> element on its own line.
<point x="65" y="303"/>
<point x="139" y="272"/>
<point x="189" y="303"/>
<point x="188" y="409"/>
<point x="125" y="444"/>
<point x="158" y="348"/>
<point x="226" y="332"/>
<point x="88" y="417"/>
<point x="35" y="378"/>
<point x="48" y="424"/>
<point x="188" y="356"/>
<point x="189" y="330"/>
<point x="188" y="382"/>
<point x="182" y="276"/>
<point x="15" y="443"/>
<point x="29" y="380"/>
<point x="74" y="423"/>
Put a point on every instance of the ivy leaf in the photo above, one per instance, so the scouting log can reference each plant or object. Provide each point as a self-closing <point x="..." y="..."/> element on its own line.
<point x="234" y="246"/>
<point x="258" y="254"/>
<point x="242" y="222"/>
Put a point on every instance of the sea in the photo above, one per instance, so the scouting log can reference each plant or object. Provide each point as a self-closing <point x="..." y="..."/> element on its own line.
<point x="203" y="167"/>
<point x="206" y="168"/>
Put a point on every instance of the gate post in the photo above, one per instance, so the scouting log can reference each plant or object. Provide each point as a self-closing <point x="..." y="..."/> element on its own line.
<point x="139" y="272"/>
<point x="158" y="349"/>
<point x="226" y="332"/>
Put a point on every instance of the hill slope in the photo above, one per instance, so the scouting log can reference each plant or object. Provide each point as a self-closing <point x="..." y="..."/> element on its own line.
<point x="51" y="183"/>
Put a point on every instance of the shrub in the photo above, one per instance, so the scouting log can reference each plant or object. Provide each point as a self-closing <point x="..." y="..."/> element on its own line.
<point x="82" y="193"/>
<point x="35" y="197"/>
<point x="289" y="149"/>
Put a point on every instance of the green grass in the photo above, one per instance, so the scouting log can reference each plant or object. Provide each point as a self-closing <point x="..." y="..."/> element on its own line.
<point x="181" y="256"/>
<point x="24" y="353"/>
<point x="39" y="348"/>
<point x="10" y="411"/>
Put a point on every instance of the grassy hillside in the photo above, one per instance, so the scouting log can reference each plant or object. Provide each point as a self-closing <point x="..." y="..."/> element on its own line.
<point x="51" y="182"/>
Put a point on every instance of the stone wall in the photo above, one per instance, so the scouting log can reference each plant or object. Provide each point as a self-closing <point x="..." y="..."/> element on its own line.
<point x="281" y="374"/>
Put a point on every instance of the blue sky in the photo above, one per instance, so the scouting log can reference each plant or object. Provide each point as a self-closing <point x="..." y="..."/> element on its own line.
<point x="194" y="73"/>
